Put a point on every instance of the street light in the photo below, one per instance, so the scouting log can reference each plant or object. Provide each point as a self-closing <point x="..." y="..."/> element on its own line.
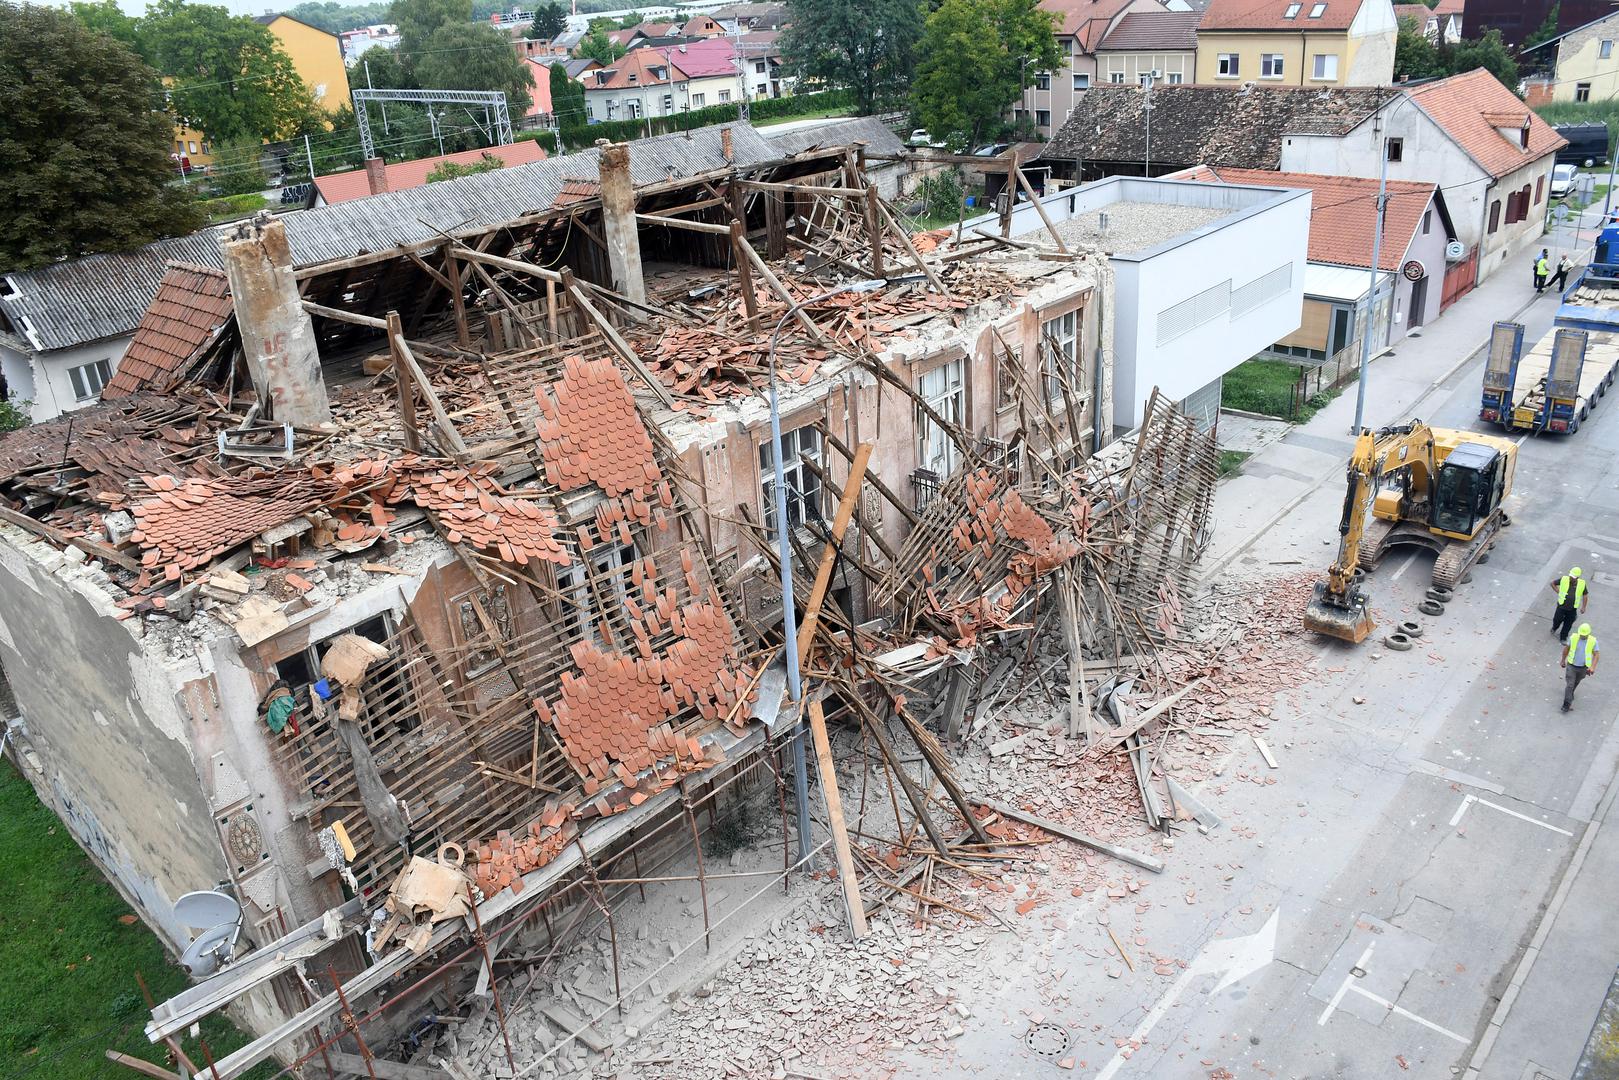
<point x="789" y="615"/>
<point x="1377" y="249"/>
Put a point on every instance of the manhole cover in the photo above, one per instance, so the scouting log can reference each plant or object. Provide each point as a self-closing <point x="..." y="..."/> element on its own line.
<point x="1047" y="1040"/>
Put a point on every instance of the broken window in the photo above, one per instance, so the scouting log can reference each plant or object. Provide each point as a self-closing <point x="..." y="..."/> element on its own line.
<point x="1059" y="351"/>
<point x="385" y="693"/>
<point x="803" y="486"/>
<point x="945" y="390"/>
<point x="607" y="567"/>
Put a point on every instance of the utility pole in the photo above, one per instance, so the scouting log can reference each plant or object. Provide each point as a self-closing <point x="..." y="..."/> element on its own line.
<point x="310" y="154"/>
<point x="1146" y="110"/>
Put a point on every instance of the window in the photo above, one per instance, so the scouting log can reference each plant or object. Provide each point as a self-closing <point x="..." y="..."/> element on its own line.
<point x="1059" y="347"/>
<point x="1326" y="66"/>
<point x="725" y="95"/>
<point x="759" y="67"/>
<point x="206" y="148"/>
<point x="762" y="90"/>
<point x="1228" y="67"/>
<point x="191" y="145"/>
<point x="1427" y="221"/>
<point x="1292" y="11"/>
<point x="1042" y="80"/>
<point x="699" y="100"/>
<point x="1082" y="80"/>
<point x="1042" y="117"/>
<point x="945" y="391"/>
<point x="803" y="486"/>
<point x="1582" y="91"/>
<point x="1495" y="215"/>
<point x="668" y="104"/>
<point x="1394" y="149"/>
<point x="1270" y="66"/>
<point x="1175" y="78"/>
<point x="632" y="109"/>
<point x="630" y="78"/>
<point x="1540" y="189"/>
<point x="1115" y="77"/>
<point x="607" y="567"/>
<point x="1605" y="50"/>
<point x="1318" y="10"/>
<point x="88" y="379"/>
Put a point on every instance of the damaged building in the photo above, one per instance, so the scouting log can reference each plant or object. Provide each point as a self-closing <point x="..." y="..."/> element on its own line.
<point x="427" y="599"/>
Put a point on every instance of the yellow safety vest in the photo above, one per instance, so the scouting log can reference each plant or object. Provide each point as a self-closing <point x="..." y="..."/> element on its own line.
<point x="1562" y="590"/>
<point x="1541" y="267"/>
<point x="1584" y="659"/>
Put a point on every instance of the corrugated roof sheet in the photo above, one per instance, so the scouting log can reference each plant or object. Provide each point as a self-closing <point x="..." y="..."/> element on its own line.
<point x="873" y="132"/>
<point x="192" y="303"/>
<point x="103" y="296"/>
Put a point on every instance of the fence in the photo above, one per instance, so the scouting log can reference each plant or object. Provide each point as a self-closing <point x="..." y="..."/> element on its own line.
<point x="1338" y="370"/>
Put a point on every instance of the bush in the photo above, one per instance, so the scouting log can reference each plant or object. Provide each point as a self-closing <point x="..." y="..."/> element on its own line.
<point x="454" y="170"/>
<point x="231" y="207"/>
<point x="1584" y="112"/>
<point x="544" y="136"/>
<point x="14" y="414"/>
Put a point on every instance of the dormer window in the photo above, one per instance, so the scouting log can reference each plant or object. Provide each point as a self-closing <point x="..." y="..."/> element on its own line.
<point x="1292" y="11"/>
<point x="630" y="78"/>
<point x="1318" y="10"/>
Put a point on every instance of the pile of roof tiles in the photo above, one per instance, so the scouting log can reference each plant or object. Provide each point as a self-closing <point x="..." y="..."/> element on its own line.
<point x="185" y="523"/>
<point x="502" y="862"/>
<point x="115" y="442"/>
<point x="703" y="363"/>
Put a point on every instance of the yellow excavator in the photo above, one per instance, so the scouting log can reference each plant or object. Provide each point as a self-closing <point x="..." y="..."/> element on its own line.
<point x="1435" y="487"/>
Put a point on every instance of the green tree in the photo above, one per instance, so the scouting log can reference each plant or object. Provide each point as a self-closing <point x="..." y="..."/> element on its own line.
<point x="630" y="21"/>
<point x="1544" y="32"/>
<point x="334" y="18"/>
<point x="549" y="21"/>
<point x="1488" y="52"/>
<point x="475" y="56"/>
<point x="238" y="167"/>
<point x="1415" y="57"/>
<point x="977" y="57"/>
<point x="454" y="170"/>
<point x="596" y="46"/>
<point x="380" y="69"/>
<point x="868" y="46"/>
<point x="419" y="19"/>
<point x="84" y="145"/>
<point x="227" y="75"/>
<point x="108" y="18"/>
<point x="567" y="98"/>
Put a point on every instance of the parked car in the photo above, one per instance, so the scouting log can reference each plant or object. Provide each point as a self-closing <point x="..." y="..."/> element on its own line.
<point x="920" y="137"/>
<point x="1587" y="144"/>
<point x="992" y="149"/>
<point x="1563" y="180"/>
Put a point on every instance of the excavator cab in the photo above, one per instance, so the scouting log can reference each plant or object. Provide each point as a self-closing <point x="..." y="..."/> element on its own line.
<point x="1472" y="481"/>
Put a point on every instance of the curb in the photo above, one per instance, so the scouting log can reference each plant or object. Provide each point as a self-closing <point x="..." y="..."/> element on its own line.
<point x="1215" y="569"/>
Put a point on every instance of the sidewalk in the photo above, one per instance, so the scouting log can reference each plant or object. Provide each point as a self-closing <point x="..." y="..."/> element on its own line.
<point x="1398" y="386"/>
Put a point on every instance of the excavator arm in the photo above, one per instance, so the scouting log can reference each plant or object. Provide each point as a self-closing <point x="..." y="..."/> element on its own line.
<point x="1338" y="606"/>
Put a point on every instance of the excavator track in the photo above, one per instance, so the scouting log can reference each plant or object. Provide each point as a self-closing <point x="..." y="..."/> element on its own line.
<point x="1460" y="556"/>
<point x="1372" y="547"/>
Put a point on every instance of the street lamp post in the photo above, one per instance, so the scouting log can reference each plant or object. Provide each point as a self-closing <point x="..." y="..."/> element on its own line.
<point x="1377" y="250"/>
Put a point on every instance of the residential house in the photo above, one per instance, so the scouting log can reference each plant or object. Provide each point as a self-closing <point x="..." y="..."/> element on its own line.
<point x="1583" y="63"/>
<point x="377" y="178"/>
<point x="702" y="26"/>
<point x="539" y="95"/>
<point x="1081" y="25"/>
<point x="678" y="78"/>
<point x="1297" y="42"/>
<point x="1149" y="43"/>
<point x="1490" y="155"/>
<point x="1205" y="276"/>
<point x="1517" y="19"/>
<point x="1433" y="25"/>
<point x="316" y="56"/>
<point x="376" y="36"/>
<point x="1112" y="131"/>
<point x="753" y="16"/>
<point x="1338" y="294"/>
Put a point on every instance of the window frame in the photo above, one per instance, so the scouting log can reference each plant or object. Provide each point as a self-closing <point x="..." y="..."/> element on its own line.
<point x="1066" y="329"/>
<point x="1604" y="48"/>
<point x="805" y="495"/>
<point x="1319" y="67"/>
<point x="1495" y="217"/>
<point x="1042" y="80"/>
<point x="1082" y="80"/>
<point x="1227" y="66"/>
<point x="1175" y="78"/>
<point x="1115" y="78"/>
<point x="1274" y="62"/>
<point x="79" y="377"/>
<point x="1394" y="148"/>
<point x="948" y="398"/>
<point x="1042" y="118"/>
<point x="1582" y="91"/>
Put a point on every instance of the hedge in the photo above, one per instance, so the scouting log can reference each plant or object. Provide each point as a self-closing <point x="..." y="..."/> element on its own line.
<point x="579" y="136"/>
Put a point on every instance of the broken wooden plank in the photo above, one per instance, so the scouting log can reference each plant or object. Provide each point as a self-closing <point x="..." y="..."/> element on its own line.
<point x="1146" y="862"/>
<point x="1119" y="734"/>
<point x="383" y="1069"/>
<point x="1264" y="752"/>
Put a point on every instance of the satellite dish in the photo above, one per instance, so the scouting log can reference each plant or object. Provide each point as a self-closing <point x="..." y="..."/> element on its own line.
<point x="207" y="909"/>
<point x="205" y="955"/>
<point x="1455" y="250"/>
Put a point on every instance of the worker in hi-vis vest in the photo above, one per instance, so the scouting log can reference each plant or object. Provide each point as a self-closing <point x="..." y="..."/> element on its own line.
<point x="1571" y="600"/>
<point x="1579" y="660"/>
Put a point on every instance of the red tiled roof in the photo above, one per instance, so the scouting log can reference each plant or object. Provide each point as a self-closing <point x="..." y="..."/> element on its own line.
<point x="404" y="175"/>
<point x="1450" y="7"/>
<point x="1272" y="15"/>
<point x="702" y="59"/>
<point x="1084" y="20"/>
<point x="1152" y="30"/>
<point x="191" y="304"/>
<point x="637" y="62"/>
<point x="575" y="191"/>
<point x="1470" y="107"/>
<point x="1420" y="12"/>
<point x="1343" y="212"/>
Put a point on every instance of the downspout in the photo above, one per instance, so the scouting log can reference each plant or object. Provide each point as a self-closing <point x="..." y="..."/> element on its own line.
<point x="1097" y="374"/>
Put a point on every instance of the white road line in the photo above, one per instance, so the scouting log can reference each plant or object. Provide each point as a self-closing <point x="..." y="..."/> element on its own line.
<point x="1343" y="988"/>
<point x="1456" y="818"/>
<point x="1523" y="817"/>
<point x="1429" y="1024"/>
<point x="1404" y="566"/>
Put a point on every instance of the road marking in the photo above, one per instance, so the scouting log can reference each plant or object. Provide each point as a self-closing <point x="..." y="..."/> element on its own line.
<point x="1429" y="1024"/>
<point x="1343" y="988"/>
<point x="1404" y="566"/>
<point x="1432" y="768"/>
<point x="1236" y="957"/>
<point x="1469" y="800"/>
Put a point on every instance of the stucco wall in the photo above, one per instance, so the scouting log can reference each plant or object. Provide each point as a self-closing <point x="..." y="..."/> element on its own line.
<point x="1580" y="60"/>
<point x="1297" y="49"/>
<point x="101" y="720"/>
<point x="49" y="384"/>
<point x="1536" y="176"/>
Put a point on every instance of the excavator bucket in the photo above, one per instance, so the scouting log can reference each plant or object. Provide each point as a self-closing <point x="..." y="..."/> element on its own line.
<point x="1351" y="624"/>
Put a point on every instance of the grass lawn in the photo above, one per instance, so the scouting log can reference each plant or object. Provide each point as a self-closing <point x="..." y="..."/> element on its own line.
<point x="817" y="114"/>
<point x="229" y="207"/>
<point x="1261" y="386"/>
<point x="70" y="948"/>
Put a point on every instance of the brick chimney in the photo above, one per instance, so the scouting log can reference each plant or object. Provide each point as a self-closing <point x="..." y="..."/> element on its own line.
<point x="376" y="175"/>
<point x="725" y="144"/>
<point x="619" y="227"/>
<point x="276" y="331"/>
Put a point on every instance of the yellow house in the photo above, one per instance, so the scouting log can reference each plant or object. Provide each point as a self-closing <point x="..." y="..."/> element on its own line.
<point x="1297" y="42"/>
<point x="1588" y="62"/>
<point x="317" y="57"/>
